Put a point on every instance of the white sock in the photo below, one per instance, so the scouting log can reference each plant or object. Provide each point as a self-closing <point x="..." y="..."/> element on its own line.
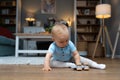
<point x="99" y="66"/>
<point x="92" y="63"/>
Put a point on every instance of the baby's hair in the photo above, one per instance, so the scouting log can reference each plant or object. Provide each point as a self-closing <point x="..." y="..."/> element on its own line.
<point x="58" y="29"/>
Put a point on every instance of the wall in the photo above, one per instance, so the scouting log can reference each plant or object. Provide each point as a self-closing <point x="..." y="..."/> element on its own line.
<point x="64" y="10"/>
<point x="113" y="24"/>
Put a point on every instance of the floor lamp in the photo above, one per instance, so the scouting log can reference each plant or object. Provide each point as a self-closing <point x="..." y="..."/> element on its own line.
<point x="103" y="11"/>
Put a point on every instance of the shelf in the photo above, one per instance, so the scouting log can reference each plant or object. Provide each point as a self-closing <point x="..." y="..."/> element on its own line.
<point x="85" y="7"/>
<point x="86" y="16"/>
<point x="7" y="15"/>
<point x="7" y="7"/>
<point x="8" y="25"/>
<point x="86" y="25"/>
<point x="88" y="41"/>
<point x="87" y="33"/>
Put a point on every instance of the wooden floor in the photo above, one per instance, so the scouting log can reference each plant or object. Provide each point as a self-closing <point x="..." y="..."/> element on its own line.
<point x="30" y="72"/>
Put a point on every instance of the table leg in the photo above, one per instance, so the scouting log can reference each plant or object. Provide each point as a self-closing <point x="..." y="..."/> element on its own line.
<point x="17" y="46"/>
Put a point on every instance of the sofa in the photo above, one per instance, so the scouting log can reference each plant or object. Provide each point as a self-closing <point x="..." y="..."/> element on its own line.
<point x="7" y="42"/>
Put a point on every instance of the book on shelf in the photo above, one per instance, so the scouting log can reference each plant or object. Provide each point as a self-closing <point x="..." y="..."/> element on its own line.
<point x="84" y="38"/>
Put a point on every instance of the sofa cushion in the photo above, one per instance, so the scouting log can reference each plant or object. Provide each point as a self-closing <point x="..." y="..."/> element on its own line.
<point x="7" y="41"/>
<point x="7" y="50"/>
<point x="5" y="32"/>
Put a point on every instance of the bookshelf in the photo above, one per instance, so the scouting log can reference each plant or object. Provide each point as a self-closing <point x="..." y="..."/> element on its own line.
<point x="87" y="25"/>
<point x="8" y="14"/>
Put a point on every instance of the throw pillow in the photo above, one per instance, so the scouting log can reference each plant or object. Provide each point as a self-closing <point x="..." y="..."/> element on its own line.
<point x="5" y="32"/>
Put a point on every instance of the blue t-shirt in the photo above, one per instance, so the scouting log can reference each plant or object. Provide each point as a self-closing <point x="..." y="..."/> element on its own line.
<point x="62" y="54"/>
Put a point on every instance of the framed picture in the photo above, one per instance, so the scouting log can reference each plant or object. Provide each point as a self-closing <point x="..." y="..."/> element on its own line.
<point x="48" y="6"/>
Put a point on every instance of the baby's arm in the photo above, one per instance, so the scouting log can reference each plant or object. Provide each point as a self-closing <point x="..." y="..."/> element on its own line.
<point x="77" y="60"/>
<point x="47" y="62"/>
<point x="76" y="57"/>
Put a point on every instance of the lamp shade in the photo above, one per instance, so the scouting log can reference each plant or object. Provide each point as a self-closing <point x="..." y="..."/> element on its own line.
<point x="103" y="11"/>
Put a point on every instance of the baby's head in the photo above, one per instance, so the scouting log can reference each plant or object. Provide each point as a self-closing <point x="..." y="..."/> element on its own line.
<point x="60" y="35"/>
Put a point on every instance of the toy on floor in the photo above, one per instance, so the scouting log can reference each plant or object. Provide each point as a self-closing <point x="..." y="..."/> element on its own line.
<point x="81" y="67"/>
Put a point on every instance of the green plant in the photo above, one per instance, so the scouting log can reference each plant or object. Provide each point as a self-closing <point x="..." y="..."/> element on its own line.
<point x="49" y="29"/>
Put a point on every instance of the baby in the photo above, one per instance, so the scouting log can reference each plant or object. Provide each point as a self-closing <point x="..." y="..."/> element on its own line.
<point x="63" y="53"/>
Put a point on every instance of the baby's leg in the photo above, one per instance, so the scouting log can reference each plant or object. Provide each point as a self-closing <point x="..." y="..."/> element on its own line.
<point x="92" y="63"/>
<point x="54" y="63"/>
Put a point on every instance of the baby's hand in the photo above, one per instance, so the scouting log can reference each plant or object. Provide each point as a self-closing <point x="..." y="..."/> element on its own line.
<point x="46" y="69"/>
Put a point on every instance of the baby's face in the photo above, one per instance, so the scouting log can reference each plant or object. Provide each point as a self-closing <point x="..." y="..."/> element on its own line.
<point x="61" y="41"/>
